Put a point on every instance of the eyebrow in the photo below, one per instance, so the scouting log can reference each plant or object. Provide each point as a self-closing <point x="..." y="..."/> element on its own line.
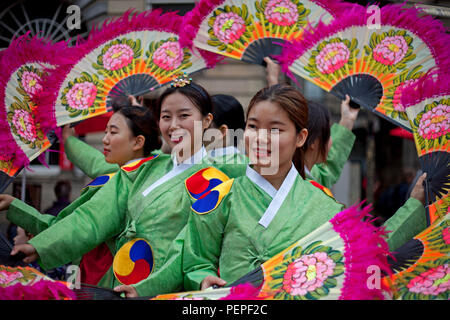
<point x="277" y="122"/>
<point x="271" y="122"/>
<point x="181" y="110"/>
<point x="113" y="126"/>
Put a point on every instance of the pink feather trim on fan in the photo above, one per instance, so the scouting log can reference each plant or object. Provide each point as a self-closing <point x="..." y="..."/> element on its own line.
<point x="194" y="18"/>
<point x="21" y="51"/>
<point x="130" y="21"/>
<point x="434" y="34"/>
<point x="365" y="247"/>
<point x="429" y="86"/>
<point x="41" y="290"/>
<point x="244" y="291"/>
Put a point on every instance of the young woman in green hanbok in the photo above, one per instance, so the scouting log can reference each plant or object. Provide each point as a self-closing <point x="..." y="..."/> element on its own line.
<point x="146" y="208"/>
<point x="326" y="157"/>
<point x="256" y="216"/>
<point x="130" y="136"/>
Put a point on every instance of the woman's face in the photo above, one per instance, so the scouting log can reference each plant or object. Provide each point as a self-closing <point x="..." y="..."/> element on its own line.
<point x="119" y="144"/>
<point x="182" y="124"/>
<point x="271" y="138"/>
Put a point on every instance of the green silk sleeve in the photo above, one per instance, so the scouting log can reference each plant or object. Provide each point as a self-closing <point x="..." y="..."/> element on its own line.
<point x="87" y="158"/>
<point x="168" y="278"/>
<point x="406" y="223"/>
<point x="89" y="225"/>
<point x="203" y="243"/>
<point x="28" y="218"/>
<point x="327" y="174"/>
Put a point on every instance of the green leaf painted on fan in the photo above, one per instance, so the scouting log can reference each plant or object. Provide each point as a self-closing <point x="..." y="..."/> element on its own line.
<point x="330" y="282"/>
<point x="338" y="270"/>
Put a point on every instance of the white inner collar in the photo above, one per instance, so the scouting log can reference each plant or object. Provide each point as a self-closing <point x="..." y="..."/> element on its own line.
<point x="260" y="181"/>
<point x="195" y="159"/>
<point x="279" y="197"/>
<point x="218" y="152"/>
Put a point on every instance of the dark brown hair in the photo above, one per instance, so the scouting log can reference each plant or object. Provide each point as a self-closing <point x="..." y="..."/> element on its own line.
<point x="318" y="127"/>
<point x="194" y="92"/>
<point x="293" y="102"/>
<point x="141" y="121"/>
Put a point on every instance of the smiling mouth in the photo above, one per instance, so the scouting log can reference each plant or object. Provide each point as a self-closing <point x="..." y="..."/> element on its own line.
<point x="260" y="153"/>
<point x="176" y="139"/>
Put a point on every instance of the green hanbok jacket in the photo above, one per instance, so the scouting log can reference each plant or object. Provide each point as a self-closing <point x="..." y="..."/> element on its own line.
<point x="97" y="262"/>
<point x="132" y="205"/>
<point x="245" y="228"/>
<point x="406" y="223"/>
<point x="327" y="174"/>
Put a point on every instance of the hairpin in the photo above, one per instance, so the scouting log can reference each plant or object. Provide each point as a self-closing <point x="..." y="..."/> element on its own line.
<point x="181" y="81"/>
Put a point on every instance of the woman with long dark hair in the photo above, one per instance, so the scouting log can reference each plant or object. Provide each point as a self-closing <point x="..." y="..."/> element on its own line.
<point x="144" y="208"/>
<point x="261" y="213"/>
<point x="131" y="135"/>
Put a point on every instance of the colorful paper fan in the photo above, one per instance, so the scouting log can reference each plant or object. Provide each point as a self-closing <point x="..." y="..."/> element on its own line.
<point x="250" y="30"/>
<point x="239" y="292"/>
<point x="422" y="265"/>
<point x="427" y="105"/>
<point x="23" y="66"/>
<point x="130" y="55"/>
<point x="17" y="283"/>
<point x="371" y="63"/>
<point x="332" y="262"/>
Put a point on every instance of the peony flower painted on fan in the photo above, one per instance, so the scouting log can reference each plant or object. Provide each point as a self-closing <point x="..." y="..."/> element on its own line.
<point x="24" y="124"/>
<point x="431" y="282"/>
<point x="228" y="27"/>
<point x="391" y="50"/>
<point x="9" y="277"/>
<point x="82" y="95"/>
<point x="168" y="56"/>
<point x="332" y="57"/>
<point x="307" y="273"/>
<point x="117" y="57"/>
<point x="31" y="83"/>
<point x="435" y="122"/>
<point x="281" y="12"/>
<point x="396" y="100"/>
<point x="446" y="235"/>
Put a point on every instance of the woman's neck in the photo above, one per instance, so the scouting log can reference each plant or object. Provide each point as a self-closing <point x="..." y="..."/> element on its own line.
<point x="310" y="160"/>
<point x="186" y="155"/>
<point x="136" y="155"/>
<point x="277" y="179"/>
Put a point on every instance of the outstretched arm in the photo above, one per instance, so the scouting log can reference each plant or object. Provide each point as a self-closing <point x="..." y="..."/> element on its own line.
<point x="410" y="219"/>
<point x="89" y="225"/>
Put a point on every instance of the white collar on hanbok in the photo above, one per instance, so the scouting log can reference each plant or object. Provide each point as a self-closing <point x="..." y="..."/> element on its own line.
<point x="278" y="196"/>
<point x="261" y="182"/>
<point x="128" y="162"/>
<point x="218" y="152"/>
<point x="177" y="169"/>
<point x="195" y="159"/>
<point x="307" y="171"/>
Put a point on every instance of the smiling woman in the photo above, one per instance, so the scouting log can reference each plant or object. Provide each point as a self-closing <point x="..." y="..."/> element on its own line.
<point x="131" y="134"/>
<point x="181" y="109"/>
<point x="140" y="202"/>
<point x="258" y="214"/>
